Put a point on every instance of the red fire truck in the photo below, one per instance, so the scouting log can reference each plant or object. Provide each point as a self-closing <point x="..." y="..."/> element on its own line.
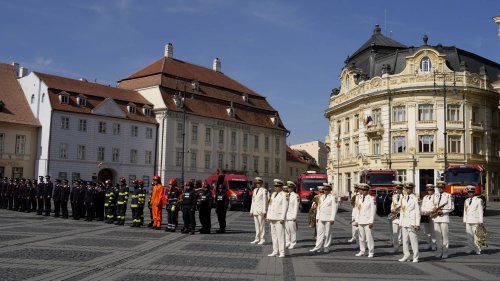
<point x="457" y="177"/>
<point x="381" y="187"/>
<point x="235" y="185"/>
<point x="307" y="187"/>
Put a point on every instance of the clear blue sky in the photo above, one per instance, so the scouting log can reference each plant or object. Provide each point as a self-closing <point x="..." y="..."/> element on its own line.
<point x="289" y="51"/>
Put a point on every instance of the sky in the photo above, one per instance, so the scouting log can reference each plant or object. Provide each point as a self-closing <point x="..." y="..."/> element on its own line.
<point x="289" y="51"/>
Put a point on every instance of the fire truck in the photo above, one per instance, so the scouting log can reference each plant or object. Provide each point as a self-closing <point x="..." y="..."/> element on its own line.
<point x="457" y="177"/>
<point x="235" y="186"/>
<point x="381" y="187"/>
<point x="307" y="187"/>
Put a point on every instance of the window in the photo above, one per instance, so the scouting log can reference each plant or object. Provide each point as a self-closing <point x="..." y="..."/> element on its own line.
<point x="102" y="127"/>
<point x="133" y="156"/>
<point x="376" y="146"/>
<point x="131" y="179"/>
<point x="425" y="64"/>
<point x="20" y="144"/>
<point x="356" y="122"/>
<point x="180" y="130"/>
<point x="134" y="131"/>
<point x="398" y="114"/>
<point x="147" y="111"/>
<point x="244" y="162"/>
<point x="232" y="161"/>
<point x="398" y="144"/>
<point x="63" y="150"/>
<point x="194" y="133"/>
<point x="208" y="160"/>
<point x="131" y="108"/>
<point x="347" y="126"/>
<point x="80" y="153"/>
<point x="245" y="141"/>
<point x="2" y="142"/>
<point x="347" y="82"/>
<point x="339" y="127"/>
<point x="116" y="155"/>
<point x="148" y="157"/>
<point x="277" y="146"/>
<point x="17" y="172"/>
<point x="454" y="144"/>
<point x="426" y="143"/>
<point x="266" y="165"/>
<point x="233" y="138"/>
<point x="453" y="112"/>
<point x="193" y="159"/>
<point x="82" y="126"/>
<point x="356" y="148"/>
<point x="402" y="177"/>
<point x="100" y="153"/>
<point x="75" y="176"/>
<point x="208" y="135"/>
<point x="178" y="158"/>
<point x="62" y="176"/>
<point x="82" y="101"/>
<point x="425" y="112"/>
<point x="33" y="98"/>
<point x="65" y="123"/>
<point x="116" y="129"/>
<point x="475" y="115"/>
<point x="355" y="177"/>
<point x="276" y="166"/>
<point x="256" y="142"/>
<point x="145" y="179"/>
<point x="149" y="133"/>
<point x="377" y="116"/>
<point x="256" y="164"/>
<point x="476" y="145"/>
<point x="64" y="99"/>
<point x="220" y="160"/>
<point x="347" y="150"/>
<point x="266" y="143"/>
<point x="221" y="137"/>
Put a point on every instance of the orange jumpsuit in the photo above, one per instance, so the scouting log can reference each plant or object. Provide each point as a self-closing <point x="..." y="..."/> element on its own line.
<point x="156" y="204"/>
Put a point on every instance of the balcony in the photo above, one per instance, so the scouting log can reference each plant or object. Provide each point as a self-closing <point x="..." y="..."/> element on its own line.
<point x="375" y="130"/>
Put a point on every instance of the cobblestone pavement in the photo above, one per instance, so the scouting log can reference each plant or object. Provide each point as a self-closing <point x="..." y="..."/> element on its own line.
<point x="46" y="248"/>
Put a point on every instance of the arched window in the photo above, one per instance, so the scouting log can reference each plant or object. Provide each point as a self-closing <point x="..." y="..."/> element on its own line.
<point x="425" y="64"/>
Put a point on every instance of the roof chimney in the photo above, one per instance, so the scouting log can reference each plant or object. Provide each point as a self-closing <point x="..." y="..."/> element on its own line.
<point x="169" y="50"/>
<point x="23" y="71"/>
<point x="216" y="65"/>
<point x="16" y="67"/>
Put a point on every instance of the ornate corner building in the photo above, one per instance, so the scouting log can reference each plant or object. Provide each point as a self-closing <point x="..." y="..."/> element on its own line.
<point x="414" y="110"/>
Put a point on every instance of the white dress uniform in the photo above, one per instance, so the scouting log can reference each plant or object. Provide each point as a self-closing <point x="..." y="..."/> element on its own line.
<point x="354" y="223"/>
<point x="291" y="220"/>
<point x="260" y="198"/>
<point x="325" y="215"/>
<point x="276" y="215"/>
<point x="428" y="228"/>
<point x="409" y="220"/>
<point x="441" y="223"/>
<point x="473" y="216"/>
<point x="396" y="230"/>
<point x="366" y="208"/>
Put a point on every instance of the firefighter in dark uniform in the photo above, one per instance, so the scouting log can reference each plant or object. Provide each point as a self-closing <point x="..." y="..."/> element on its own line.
<point x="10" y="194"/>
<point x="72" y="195"/>
<point x="22" y="195"/>
<point x="189" y="208"/>
<point x="205" y="208"/>
<point x="114" y="208"/>
<point x="174" y="194"/>
<point x="32" y="195"/>
<point x="221" y="208"/>
<point x="100" y="199"/>
<point x="15" y="194"/>
<point x="47" y="195"/>
<point x="2" y="188"/>
<point x="56" y="196"/>
<point x="80" y="205"/>
<point x="109" y="201"/>
<point x="75" y="195"/>
<point x="39" y="195"/>
<point x="65" y="191"/>
<point x="88" y="200"/>
<point x="122" y="202"/>
<point x="246" y="199"/>
<point x="134" y="204"/>
<point x="142" y="202"/>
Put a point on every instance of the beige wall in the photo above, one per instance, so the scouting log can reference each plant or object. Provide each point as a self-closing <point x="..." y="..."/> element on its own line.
<point x="294" y="169"/>
<point x="9" y="159"/>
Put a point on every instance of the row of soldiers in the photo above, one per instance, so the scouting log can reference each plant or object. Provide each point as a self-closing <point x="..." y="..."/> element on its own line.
<point x="27" y="195"/>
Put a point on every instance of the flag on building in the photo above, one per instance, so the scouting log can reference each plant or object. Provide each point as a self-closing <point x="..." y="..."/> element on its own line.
<point x="368" y="121"/>
<point x="100" y="164"/>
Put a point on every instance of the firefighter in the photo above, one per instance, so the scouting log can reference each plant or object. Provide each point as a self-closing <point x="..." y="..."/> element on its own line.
<point x="157" y="202"/>
<point x="189" y="208"/>
<point x="65" y="191"/>
<point x="22" y="195"/>
<point x="221" y="208"/>
<point x="122" y="202"/>
<point x="10" y="194"/>
<point x="174" y="193"/>
<point x="47" y="195"/>
<point x="142" y="202"/>
<point x="15" y="194"/>
<point x="109" y="201"/>
<point x="425" y="221"/>
<point x="56" y="196"/>
<point x="32" y="195"/>
<point x="205" y="208"/>
<point x="114" y="207"/>
<point x="134" y="204"/>
<point x="80" y="204"/>
<point x="39" y="195"/>
<point x="99" y="201"/>
<point x="258" y="210"/>
<point x="75" y="193"/>
<point x="325" y="217"/>
<point x="354" y="224"/>
<point x="89" y="202"/>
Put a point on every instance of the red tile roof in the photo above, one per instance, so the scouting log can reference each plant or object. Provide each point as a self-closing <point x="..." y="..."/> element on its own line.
<point x="16" y="108"/>
<point x="293" y="156"/>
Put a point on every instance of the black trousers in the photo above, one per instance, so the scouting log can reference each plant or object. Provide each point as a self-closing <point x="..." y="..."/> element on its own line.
<point x="172" y="218"/>
<point x="188" y="216"/>
<point x="64" y="209"/>
<point x="89" y="208"/>
<point x="221" y="216"/>
<point x="11" y="203"/>
<point x="204" y="215"/>
<point x="140" y="210"/>
<point x="48" y="206"/>
<point x="16" y="203"/>
<point x="57" y="208"/>
<point x="33" y="204"/>
<point x="39" y="210"/>
<point x="120" y="211"/>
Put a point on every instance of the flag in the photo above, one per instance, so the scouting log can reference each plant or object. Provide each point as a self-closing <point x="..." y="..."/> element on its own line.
<point x="368" y="121"/>
<point x="100" y="164"/>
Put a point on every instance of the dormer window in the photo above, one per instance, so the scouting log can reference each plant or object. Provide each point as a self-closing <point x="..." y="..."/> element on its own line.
<point x="230" y="111"/>
<point x="131" y="108"/>
<point x="64" y="97"/>
<point x="274" y="120"/>
<point x="425" y="65"/>
<point x="81" y="100"/>
<point x="245" y="97"/>
<point x="146" y="111"/>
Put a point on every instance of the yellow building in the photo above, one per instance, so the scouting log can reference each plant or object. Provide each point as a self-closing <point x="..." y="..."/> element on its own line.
<point x="389" y="113"/>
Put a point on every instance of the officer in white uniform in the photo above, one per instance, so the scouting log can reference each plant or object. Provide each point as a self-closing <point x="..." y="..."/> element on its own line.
<point x="444" y="205"/>
<point x="410" y="223"/>
<point x="260" y="198"/>
<point x="428" y="225"/>
<point x="396" y="209"/>
<point x="325" y="218"/>
<point x="291" y="216"/>
<point x="473" y="217"/>
<point x="367" y="208"/>
<point x="276" y="215"/>
<point x="354" y="223"/>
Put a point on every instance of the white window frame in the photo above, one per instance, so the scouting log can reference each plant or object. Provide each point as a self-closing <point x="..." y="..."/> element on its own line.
<point x="399" y="113"/>
<point x="421" y="143"/>
<point x="20" y="145"/>
<point x="397" y="142"/>
<point x="425" y="112"/>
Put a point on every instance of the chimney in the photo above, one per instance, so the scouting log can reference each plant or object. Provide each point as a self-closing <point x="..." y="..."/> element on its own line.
<point x="23" y="71"/>
<point x="169" y="50"/>
<point x="16" y="68"/>
<point x="216" y="65"/>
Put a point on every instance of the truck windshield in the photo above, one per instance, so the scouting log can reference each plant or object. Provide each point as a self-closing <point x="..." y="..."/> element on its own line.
<point x="462" y="177"/>
<point x="307" y="184"/>
<point x="237" y="185"/>
<point x="380" y="179"/>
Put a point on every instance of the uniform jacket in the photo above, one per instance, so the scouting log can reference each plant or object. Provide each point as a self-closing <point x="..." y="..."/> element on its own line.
<point x="440" y="199"/>
<point x="260" y="198"/>
<point x="367" y="208"/>
<point x="355" y="210"/>
<point x="109" y="197"/>
<point x="278" y="205"/>
<point x="48" y="189"/>
<point x="427" y="205"/>
<point x="157" y="195"/>
<point x="327" y="208"/>
<point x="189" y="200"/>
<point x="57" y="192"/>
<point x="174" y="194"/>
<point x="64" y="193"/>
<point x="123" y="195"/>
<point x="221" y="202"/>
<point x="410" y="211"/>
<point x="473" y="210"/>
<point x="293" y="206"/>
<point x="39" y="189"/>
<point x="205" y="199"/>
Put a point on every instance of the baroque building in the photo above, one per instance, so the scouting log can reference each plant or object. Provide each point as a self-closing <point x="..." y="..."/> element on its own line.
<point x="391" y="108"/>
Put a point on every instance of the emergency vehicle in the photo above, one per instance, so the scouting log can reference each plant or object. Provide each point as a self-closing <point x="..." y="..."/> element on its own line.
<point x="381" y="187"/>
<point x="307" y="187"/>
<point x="457" y="177"/>
<point x="235" y="185"/>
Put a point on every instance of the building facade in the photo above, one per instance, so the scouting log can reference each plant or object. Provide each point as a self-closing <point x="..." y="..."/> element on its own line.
<point x="295" y="165"/>
<point x="90" y="131"/>
<point x="208" y="122"/>
<point x="317" y="150"/>
<point x="18" y="127"/>
<point x="390" y="113"/>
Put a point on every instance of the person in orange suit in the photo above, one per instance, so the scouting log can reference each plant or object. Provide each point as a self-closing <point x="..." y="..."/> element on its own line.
<point x="157" y="201"/>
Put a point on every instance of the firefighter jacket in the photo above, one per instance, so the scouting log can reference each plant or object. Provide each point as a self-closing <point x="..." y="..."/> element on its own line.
<point x="138" y="197"/>
<point x="57" y="192"/>
<point x="122" y="195"/>
<point x="204" y="199"/>
<point x="109" y="197"/>
<point x="189" y="200"/>
<point x="173" y="196"/>
<point x="157" y="195"/>
<point x="48" y="189"/>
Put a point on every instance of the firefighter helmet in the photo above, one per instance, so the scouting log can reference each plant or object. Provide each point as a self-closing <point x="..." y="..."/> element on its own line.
<point x="122" y="180"/>
<point x="109" y="182"/>
<point x="157" y="179"/>
<point x="140" y="182"/>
